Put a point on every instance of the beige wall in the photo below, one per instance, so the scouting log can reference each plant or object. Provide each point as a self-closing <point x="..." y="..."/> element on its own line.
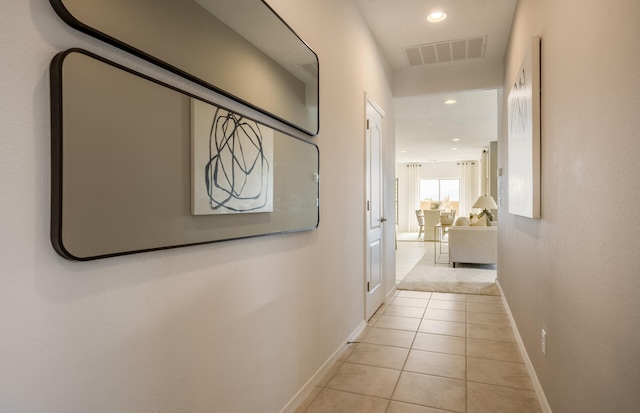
<point x="236" y="326"/>
<point x="575" y="272"/>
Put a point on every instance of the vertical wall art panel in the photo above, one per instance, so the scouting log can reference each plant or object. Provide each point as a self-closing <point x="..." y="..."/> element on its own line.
<point x="231" y="160"/>
<point x="524" y="136"/>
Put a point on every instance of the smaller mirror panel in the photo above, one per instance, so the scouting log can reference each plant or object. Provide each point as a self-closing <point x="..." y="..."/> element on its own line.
<point x="129" y="162"/>
<point x="240" y="48"/>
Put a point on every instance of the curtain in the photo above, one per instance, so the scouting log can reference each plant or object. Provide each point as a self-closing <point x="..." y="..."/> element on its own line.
<point x="469" y="187"/>
<point x="414" y="195"/>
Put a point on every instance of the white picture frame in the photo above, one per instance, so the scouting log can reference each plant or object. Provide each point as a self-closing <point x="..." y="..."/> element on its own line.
<point x="231" y="162"/>
<point x="523" y="114"/>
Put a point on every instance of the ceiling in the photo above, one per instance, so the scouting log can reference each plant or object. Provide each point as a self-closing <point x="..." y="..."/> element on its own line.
<point x="428" y="130"/>
<point x="425" y="126"/>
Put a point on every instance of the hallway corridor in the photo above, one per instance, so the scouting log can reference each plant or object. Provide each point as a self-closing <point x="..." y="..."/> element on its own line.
<point x="430" y="353"/>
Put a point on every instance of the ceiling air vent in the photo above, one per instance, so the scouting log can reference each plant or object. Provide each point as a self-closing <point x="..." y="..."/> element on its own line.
<point x="453" y="50"/>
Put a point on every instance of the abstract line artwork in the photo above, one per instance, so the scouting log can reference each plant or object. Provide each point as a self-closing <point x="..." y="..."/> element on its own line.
<point x="232" y="162"/>
<point x="524" y="137"/>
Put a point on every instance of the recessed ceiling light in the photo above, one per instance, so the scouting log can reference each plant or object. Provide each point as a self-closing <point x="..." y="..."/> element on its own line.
<point x="450" y="102"/>
<point x="455" y="140"/>
<point x="437" y="16"/>
<point x="454" y="149"/>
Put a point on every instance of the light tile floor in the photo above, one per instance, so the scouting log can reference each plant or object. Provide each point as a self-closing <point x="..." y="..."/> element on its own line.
<point x="430" y="353"/>
<point x="408" y="254"/>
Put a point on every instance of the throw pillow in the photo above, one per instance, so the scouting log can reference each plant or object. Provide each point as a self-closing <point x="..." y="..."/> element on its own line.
<point x="462" y="222"/>
<point x="479" y="222"/>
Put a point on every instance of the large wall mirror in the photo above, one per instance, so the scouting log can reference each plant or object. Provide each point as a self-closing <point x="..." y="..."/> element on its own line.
<point x="240" y="48"/>
<point x="138" y="165"/>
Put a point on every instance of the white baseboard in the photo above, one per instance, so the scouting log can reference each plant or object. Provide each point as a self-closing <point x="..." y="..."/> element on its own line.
<point x="542" y="399"/>
<point x="306" y="390"/>
<point x="391" y="294"/>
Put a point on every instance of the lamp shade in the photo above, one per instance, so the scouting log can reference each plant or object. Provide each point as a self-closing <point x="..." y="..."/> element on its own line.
<point x="485" y="202"/>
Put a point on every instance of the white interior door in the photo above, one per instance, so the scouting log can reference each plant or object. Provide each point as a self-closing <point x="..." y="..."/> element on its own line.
<point x="374" y="295"/>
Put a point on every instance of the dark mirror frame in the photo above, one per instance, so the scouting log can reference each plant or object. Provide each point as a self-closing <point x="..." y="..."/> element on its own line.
<point x="116" y="219"/>
<point x="312" y="129"/>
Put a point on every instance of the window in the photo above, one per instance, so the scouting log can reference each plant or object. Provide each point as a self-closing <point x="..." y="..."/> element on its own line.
<point x="439" y="190"/>
<point x="450" y="188"/>
<point x="429" y="189"/>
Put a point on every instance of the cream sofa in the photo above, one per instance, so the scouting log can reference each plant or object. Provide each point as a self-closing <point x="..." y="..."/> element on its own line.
<point x="470" y="244"/>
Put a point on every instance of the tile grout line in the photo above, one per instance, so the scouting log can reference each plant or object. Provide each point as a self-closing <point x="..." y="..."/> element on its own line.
<point x="410" y="349"/>
<point x="466" y="355"/>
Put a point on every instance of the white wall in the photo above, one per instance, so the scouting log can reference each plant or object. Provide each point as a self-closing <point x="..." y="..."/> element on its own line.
<point x="235" y="326"/>
<point x="434" y="79"/>
<point x="575" y="272"/>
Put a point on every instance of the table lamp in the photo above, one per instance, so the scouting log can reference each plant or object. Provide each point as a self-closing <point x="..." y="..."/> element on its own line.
<point x="485" y="203"/>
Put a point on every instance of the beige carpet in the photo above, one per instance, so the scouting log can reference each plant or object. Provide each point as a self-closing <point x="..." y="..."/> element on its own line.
<point x="443" y="278"/>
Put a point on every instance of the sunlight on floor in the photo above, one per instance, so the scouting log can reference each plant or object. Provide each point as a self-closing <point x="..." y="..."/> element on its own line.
<point x="408" y="254"/>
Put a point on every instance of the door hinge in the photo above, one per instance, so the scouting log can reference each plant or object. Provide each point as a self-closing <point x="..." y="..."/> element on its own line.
<point x="367" y="124"/>
<point x="368" y="286"/>
<point x="368" y="205"/>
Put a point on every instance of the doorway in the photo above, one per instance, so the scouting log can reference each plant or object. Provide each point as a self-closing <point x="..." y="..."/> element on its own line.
<point x="374" y="205"/>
